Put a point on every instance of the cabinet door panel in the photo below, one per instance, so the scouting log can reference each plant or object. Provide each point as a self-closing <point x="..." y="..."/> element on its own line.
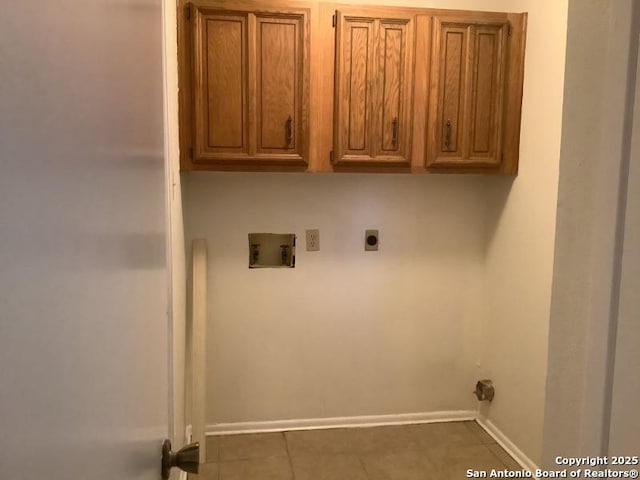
<point x="391" y="64"/>
<point x="373" y="90"/>
<point x="353" y="100"/>
<point x="469" y="93"/>
<point x="453" y="79"/>
<point x="358" y="63"/>
<point x="221" y="96"/>
<point x="486" y="100"/>
<point x="393" y="128"/>
<point x="279" y="65"/>
<point x="250" y="87"/>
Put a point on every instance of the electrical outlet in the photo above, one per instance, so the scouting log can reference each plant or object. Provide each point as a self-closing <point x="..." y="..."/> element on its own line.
<point x="313" y="240"/>
<point x="371" y="240"/>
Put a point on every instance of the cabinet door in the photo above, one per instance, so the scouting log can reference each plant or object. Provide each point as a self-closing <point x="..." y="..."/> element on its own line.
<point x="392" y="134"/>
<point x="374" y="85"/>
<point x="221" y="86"/>
<point x="250" y="88"/>
<point x="279" y="85"/>
<point x="355" y="86"/>
<point x="468" y="92"/>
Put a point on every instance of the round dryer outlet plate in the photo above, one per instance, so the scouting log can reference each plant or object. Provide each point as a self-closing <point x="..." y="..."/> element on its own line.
<point x="371" y="240"/>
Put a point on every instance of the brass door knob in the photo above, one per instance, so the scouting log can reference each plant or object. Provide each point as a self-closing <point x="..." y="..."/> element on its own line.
<point x="186" y="459"/>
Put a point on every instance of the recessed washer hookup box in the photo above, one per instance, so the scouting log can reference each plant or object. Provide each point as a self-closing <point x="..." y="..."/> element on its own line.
<point x="272" y="250"/>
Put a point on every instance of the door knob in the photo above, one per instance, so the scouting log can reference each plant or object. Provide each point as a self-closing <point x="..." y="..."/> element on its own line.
<point x="187" y="458"/>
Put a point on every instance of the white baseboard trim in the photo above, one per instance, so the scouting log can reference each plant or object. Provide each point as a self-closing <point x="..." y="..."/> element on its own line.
<point x="375" y="421"/>
<point x="510" y="447"/>
<point x="339" y="422"/>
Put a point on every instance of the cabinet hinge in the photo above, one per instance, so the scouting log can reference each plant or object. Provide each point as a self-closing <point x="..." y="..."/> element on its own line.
<point x="334" y="20"/>
<point x="331" y="156"/>
<point x="509" y="30"/>
<point x="187" y="11"/>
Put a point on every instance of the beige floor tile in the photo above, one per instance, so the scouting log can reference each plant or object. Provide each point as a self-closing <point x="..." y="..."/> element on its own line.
<point x="355" y="441"/>
<point x="327" y="442"/>
<point x="440" y="435"/>
<point x="327" y="467"/>
<point x="212" y="446"/>
<point x="453" y="462"/>
<point x="504" y="457"/>
<point x="258" y="445"/>
<point x="400" y="466"/>
<point x="270" y="468"/>
<point x="388" y="439"/>
<point x="208" y="471"/>
<point x="480" y="432"/>
<point x="438" y="451"/>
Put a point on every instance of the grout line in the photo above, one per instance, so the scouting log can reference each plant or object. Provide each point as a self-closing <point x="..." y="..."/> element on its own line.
<point x="507" y="445"/>
<point x="473" y="434"/>
<point x="496" y="456"/>
<point x="477" y="435"/>
<point x="364" y="468"/>
<point x="286" y="446"/>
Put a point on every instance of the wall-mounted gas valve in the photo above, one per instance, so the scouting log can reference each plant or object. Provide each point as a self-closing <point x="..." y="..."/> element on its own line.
<point x="484" y="390"/>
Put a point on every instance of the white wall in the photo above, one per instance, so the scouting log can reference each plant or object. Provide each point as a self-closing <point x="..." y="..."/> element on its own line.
<point x="519" y="258"/>
<point x="346" y="332"/>
<point x="463" y="277"/>
<point x="585" y="255"/>
<point x="625" y="417"/>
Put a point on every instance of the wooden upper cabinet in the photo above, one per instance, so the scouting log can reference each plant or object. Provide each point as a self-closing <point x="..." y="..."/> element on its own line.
<point x="469" y="92"/>
<point x="278" y="85"/>
<point x="222" y="90"/>
<point x="250" y="88"/>
<point x="385" y="89"/>
<point x="373" y="89"/>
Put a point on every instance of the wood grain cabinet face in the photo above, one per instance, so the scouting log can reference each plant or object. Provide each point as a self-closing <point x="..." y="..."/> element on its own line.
<point x="250" y="88"/>
<point x="373" y="90"/>
<point x="221" y="92"/>
<point x="468" y="93"/>
<point x="278" y="84"/>
<point x="414" y="90"/>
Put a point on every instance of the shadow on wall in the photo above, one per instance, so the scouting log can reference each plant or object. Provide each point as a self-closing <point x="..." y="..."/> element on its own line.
<point x="345" y="322"/>
<point x="497" y="192"/>
<point x="416" y="214"/>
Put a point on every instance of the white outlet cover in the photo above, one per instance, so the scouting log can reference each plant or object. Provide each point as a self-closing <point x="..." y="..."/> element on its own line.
<point x="313" y="240"/>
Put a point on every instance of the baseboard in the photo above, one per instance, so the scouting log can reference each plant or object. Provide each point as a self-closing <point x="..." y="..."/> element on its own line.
<point x="339" y="422"/>
<point x="375" y="421"/>
<point x="510" y="447"/>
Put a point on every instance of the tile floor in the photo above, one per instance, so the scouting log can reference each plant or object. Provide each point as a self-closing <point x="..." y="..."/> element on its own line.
<point x="440" y="451"/>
